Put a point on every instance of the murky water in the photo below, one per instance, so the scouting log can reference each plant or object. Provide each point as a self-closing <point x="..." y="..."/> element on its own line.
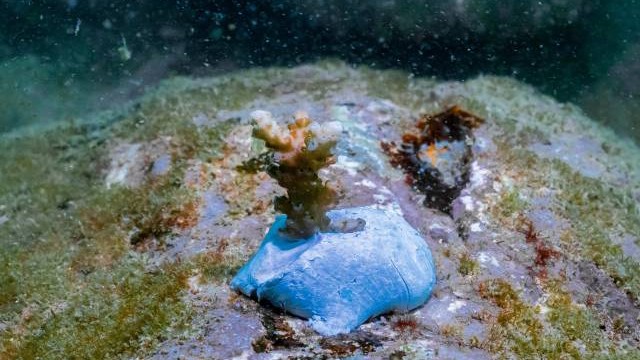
<point x="60" y="59"/>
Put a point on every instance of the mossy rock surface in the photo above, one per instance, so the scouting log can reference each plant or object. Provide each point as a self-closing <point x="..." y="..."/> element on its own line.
<point x="119" y="234"/>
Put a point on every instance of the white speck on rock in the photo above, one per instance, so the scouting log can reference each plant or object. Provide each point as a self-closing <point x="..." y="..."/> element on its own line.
<point x="351" y="167"/>
<point x="125" y="159"/>
<point x="475" y="227"/>
<point x="485" y="258"/>
<point x="482" y="143"/>
<point x="478" y="175"/>
<point x="467" y="201"/>
<point x="194" y="283"/>
<point x="541" y="304"/>
<point x="366" y="183"/>
<point x="388" y="206"/>
<point x="380" y="199"/>
<point x="360" y="140"/>
<point x="436" y="226"/>
<point x="497" y="186"/>
<point x="383" y="189"/>
<point x="456" y="305"/>
<point x="3" y="219"/>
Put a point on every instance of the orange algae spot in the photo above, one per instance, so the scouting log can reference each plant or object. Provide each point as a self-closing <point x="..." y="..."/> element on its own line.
<point x="406" y="324"/>
<point x="185" y="217"/>
<point x="431" y="152"/>
<point x="544" y="252"/>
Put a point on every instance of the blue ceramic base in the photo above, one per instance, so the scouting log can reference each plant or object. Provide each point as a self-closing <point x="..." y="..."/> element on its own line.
<point x="340" y="280"/>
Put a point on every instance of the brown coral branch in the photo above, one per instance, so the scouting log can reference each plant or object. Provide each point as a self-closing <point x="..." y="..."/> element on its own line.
<point x="299" y="152"/>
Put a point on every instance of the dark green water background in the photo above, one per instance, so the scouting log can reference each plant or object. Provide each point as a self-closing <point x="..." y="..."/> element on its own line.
<point x="61" y="59"/>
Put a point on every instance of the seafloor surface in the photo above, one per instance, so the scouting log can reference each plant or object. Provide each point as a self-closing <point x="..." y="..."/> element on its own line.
<point x="119" y="234"/>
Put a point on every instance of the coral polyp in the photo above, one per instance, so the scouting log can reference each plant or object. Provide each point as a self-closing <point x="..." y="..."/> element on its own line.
<point x="298" y="152"/>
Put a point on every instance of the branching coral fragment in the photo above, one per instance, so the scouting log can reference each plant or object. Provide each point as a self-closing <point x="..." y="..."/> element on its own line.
<point x="298" y="153"/>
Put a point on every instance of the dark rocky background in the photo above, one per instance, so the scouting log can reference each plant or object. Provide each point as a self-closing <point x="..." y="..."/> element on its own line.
<point x="59" y="59"/>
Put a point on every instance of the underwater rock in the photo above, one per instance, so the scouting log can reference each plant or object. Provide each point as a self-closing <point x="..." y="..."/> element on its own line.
<point x="498" y="294"/>
<point x="339" y="280"/>
<point x="161" y="165"/>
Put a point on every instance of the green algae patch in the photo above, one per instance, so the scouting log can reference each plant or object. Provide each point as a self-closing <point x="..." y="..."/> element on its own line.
<point x="216" y="266"/>
<point x="509" y="205"/>
<point x="468" y="266"/>
<point x="74" y="283"/>
<point x="70" y="290"/>
<point x="122" y="218"/>
<point x="593" y="208"/>
<point x="77" y="283"/>
<point x="42" y="180"/>
<point x="392" y="84"/>
<point x="108" y="315"/>
<point x="520" y="329"/>
<point x="576" y="324"/>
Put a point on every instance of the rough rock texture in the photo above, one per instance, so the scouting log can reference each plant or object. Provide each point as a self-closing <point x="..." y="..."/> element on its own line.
<point x="338" y="280"/>
<point x="538" y="257"/>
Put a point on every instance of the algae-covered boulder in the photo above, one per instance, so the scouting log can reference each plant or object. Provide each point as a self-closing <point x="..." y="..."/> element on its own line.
<point x="128" y="226"/>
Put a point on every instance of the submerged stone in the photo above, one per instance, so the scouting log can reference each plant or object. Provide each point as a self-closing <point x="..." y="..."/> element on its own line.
<point x="339" y="280"/>
<point x="161" y="165"/>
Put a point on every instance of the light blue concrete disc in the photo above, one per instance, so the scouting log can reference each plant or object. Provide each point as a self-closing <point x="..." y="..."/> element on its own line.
<point x="340" y="280"/>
